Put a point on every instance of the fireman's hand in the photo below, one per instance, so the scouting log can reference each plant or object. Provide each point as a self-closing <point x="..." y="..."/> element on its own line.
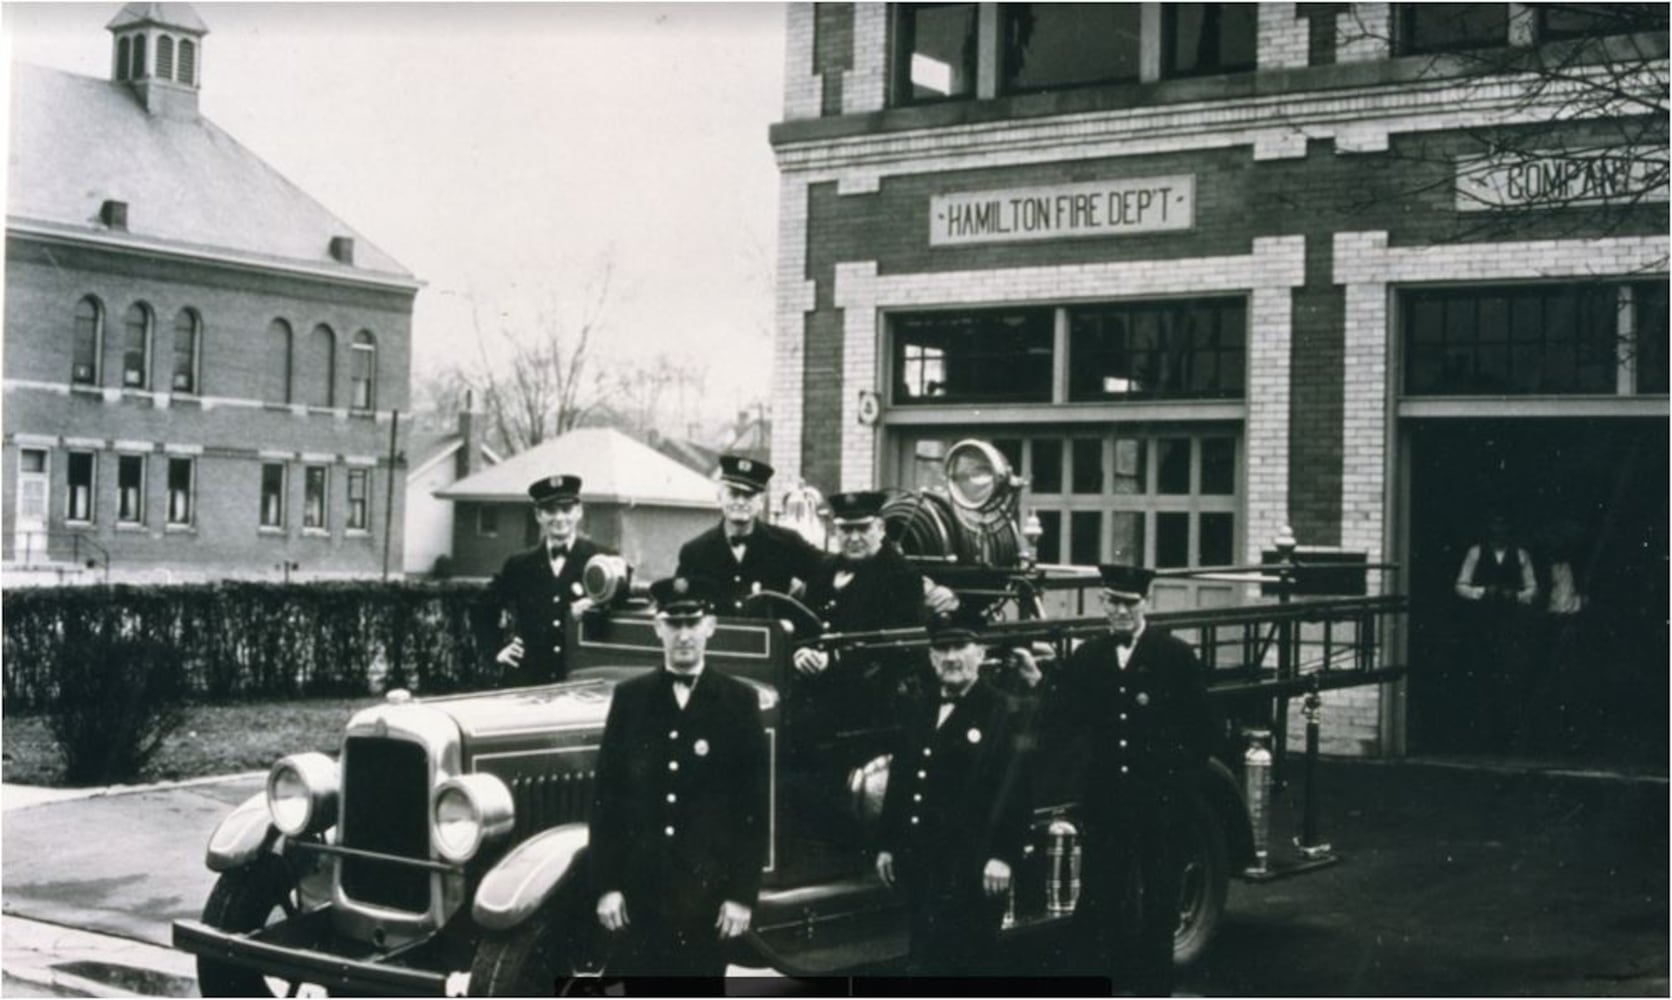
<point x="995" y="878"/>
<point x="512" y="654"/>
<point x="580" y="606"/>
<point x="811" y="661"/>
<point x="937" y="598"/>
<point x="1026" y="667"/>
<point x="734" y="919"/>
<point x="885" y="867"/>
<point x="612" y="911"/>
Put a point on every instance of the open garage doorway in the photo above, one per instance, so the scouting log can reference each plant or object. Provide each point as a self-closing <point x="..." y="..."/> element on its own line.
<point x="1586" y="686"/>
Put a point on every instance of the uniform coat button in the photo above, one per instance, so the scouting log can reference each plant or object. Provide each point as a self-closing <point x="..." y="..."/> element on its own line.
<point x="923" y="774"/>
<point x="673" y="765"/>
<point x="668" y="831"/>
<point x="918" y="797"/>
<point x="672" y="797"/>
<point x="673" y="734"/>
<point x="914" y="821"/>
<point x="928" y="752"/>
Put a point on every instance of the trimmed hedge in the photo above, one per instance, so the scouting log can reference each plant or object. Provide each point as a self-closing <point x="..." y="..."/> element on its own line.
<point x="239" y="640"/>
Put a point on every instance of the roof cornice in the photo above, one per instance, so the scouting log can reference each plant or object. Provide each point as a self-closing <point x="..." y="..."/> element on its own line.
<point x="48" y="232"/>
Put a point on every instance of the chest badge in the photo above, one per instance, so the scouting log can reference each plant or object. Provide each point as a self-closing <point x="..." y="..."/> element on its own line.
<point x="974" y="735"/>
<point x="700" y="748"/>
<point x="1143" y="698"/>
<point x="575" y="588"/>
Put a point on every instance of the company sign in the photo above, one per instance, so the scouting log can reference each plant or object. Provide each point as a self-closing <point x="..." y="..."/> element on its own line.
<point x="1063" y="211"/>
<point x="1556" y="180"/>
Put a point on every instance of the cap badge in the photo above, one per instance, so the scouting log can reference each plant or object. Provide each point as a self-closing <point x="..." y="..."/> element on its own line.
<point x="745" y="465"/>
<point x="681" y="585"/>
<point x="974" y="736"/>
<point x="554" y="481"/>
<point x="701" y="748"/>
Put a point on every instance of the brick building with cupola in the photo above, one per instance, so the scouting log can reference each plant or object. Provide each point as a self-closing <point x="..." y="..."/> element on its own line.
<point x="202" y="362"/>
<point x="1203" y="271"/>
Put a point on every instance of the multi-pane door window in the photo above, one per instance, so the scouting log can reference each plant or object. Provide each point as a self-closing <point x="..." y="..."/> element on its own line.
<point x="180" y="477"/>
<point x="359" y="500"/>
<point x="1157" y="496"/>
<point x="316" y="492"/>
<point x="272" y="495"/>
<point x="1568" y="339"/>
<point x="79" y="478"/>
<point x="130" y="489"/>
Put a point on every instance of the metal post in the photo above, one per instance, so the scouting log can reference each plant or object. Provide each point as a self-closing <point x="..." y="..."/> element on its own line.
<point x="1285" y="545"/>
<point x="389" y="491"/>
<point x="1308" y="844"/>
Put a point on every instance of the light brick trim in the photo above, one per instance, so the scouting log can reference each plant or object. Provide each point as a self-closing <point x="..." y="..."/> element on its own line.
<point x="865" y="87"/>
<point x="1275" y="265"/>
<point x="795" y="298"/>
<point x="1364" y="33"/>
<point x="1283" y="41"/>
<point x="803" y="89"/>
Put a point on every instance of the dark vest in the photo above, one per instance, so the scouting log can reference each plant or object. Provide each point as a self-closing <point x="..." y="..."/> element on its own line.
<point x="1492" y="574"/>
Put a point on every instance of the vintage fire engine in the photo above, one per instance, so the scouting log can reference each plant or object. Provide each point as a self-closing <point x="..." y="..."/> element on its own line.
<point x="444" y="849"/>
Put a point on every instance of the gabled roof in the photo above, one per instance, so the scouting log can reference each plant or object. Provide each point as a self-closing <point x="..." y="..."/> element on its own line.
<point x="76" y="142"/>
<point x="425" y="449"/>
<point x="613" y="467"/>
<point x="164" y="15"/>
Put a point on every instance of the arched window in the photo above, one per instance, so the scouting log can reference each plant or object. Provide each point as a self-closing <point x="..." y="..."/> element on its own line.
<point x="276" y="371"/>
<point x="121" y="59"/>
<point x="362" y="368"/>
<point x="186" y="72"/>
<point x="320" y="367"/>
<point x="89" y="332"/>
<point x="139" y="57"/>
<point x="165" y="57"/>
<point x="136" y="347"/>
<point x="186" y="327"/>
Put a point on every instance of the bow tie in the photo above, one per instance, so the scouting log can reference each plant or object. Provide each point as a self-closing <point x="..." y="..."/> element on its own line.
<point x="1124" y="641"/>
<point x="683" y="680"/>
<point x="951" y="697"/>
<point x="557" y="551"/>
<point x="739" y="539"/>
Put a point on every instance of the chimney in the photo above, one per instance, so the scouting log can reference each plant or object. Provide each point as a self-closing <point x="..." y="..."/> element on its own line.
<point x="464" y="463"/>
<point x="342" y="249"/>
<point x="114" y="214"/>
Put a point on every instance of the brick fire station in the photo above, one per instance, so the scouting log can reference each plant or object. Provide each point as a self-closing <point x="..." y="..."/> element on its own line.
<point x="1206" y="270"/>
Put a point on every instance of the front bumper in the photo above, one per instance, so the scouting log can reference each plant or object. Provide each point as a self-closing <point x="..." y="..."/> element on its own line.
<point x="304" y="949"/>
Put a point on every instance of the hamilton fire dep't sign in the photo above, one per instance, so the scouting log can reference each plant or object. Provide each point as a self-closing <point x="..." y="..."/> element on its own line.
<point x="1097" y="208"/>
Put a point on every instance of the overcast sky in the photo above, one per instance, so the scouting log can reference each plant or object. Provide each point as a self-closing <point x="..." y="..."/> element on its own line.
<point x="496" y="148"/>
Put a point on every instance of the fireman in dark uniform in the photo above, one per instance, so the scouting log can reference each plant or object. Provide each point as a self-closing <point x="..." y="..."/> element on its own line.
<point x="679" y="817"/>
<point x="956" y="813"/>
<point x="541" y="588"/>
<point x="1132" y="706"/>
<point x="743" y="555"/>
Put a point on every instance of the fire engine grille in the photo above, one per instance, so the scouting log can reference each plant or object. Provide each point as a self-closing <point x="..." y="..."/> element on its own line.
<point x="386" y="804"/>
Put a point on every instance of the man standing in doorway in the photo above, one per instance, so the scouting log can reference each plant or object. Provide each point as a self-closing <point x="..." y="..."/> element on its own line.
<point x="1498" y="586"/>
<point x="541" y="588"/>
<point x="679" y="817"/>
<point x="743" y="555"/>
<point x="1132" y="706"/>
<point x="955" y="817"/>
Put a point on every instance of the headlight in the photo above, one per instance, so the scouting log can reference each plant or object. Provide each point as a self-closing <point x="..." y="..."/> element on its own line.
<point x="977" y="475"/>
<point x="471" y="811"/>
<point x="302" y="793"/>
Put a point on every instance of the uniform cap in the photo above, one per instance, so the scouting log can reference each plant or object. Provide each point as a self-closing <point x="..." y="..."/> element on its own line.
<point x="682" y="598"/>
<point x="745" y="473"/>
<point x="961" y="624"/>
<point x="1130" y="582"/>
<point x="555" y="489"/>
<point x="857" y="506"/>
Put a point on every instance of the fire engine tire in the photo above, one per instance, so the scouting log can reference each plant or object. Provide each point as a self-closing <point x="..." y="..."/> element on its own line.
<point x="246" y="899"/>
<point x="1206" y="875"/>
<point x="540" y="956"/>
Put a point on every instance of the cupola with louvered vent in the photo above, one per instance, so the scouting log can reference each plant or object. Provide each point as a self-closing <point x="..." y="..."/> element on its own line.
<point x="157" y="49"/>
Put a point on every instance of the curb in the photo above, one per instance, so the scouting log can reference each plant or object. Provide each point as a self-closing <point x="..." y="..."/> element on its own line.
<point x="14" y="797"/>
<point x="61" y="957"/>
<point x="1530" y="768"/>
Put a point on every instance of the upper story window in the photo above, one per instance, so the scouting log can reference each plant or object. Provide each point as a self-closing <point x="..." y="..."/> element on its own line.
<point x="320" y="367"/>
<point x="87" y="342"/>
<point x="186" y="329"/>
<point x="1534" y="339"/>
<point x="935" y="51"/>
<point x="1194" y="349"/>
<point x="1577" y="20"/>
<point x="165" y="57"/>
<point x="275" y="370"/>
<point x="186" y="71"/>
<point x="1053" y="45"/>
<point x="136" y="346"/>
<point x="1450" y="27"/>
<point x="1201" y="39"/>
<point x="982" y="356"/>
<point x="362" y="371"/>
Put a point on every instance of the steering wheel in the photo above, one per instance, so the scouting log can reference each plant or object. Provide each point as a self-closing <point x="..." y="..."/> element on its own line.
<point x="804" y="624"/>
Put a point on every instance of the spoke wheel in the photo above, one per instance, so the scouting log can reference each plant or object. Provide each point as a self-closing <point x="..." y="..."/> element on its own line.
<point x="1204" y="876"/>
<point x="248" y="899"/>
